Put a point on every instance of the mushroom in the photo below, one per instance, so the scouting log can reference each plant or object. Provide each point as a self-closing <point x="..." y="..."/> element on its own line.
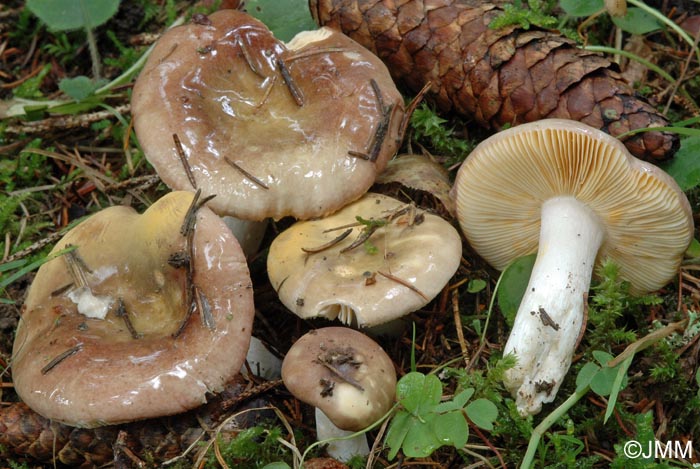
<point x="392" y="262"/>
<point x="347" y="377"/>
<point x="145" y="317"/>
<point x="272" y="129"/>
<point x="421" y="177"/>
<point x="574" y="195"/>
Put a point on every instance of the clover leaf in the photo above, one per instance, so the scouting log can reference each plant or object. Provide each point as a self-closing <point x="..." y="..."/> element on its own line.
<point x="423" y="423"/>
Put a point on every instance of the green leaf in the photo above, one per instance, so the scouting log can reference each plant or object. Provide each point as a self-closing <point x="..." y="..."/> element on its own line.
<point x="483" y="413"/>
<point x="420" y="440"/>
<point x="423" y="424"/>
<point x="475" y="285"/>
<point x="398" y="429"/>
<point x="463" y="397"/>
<point x="694" y="249"/>
<point x="643" y="440"/>
<point x="618" y="384"/>
<point x="66" y="15"/>
<point x="73" y="108"/>
<point x="451" y="429"/>
<point x="514" y="281"/>
<point x="456" y="403"/>
<point x="419" y="393"/>
<point x="79" y="87"/>
<point x="637" y="21"/>
<point x="602" y="357"/>
<point x="585" y="375"/>
<point x="603" y="381"/>
<point x="685" y="165"/>
<point x="277" y="465"/>
<point x="285" y="18"/>
<point x="579" y="8"/>
<point x="31" y="88"/>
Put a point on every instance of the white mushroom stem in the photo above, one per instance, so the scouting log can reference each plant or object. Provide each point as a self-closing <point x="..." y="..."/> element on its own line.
<point x="262" y="362"/>
<point x="345" y="448"/>
<point x="550" y="316"/>
<point x="249" y="234"/>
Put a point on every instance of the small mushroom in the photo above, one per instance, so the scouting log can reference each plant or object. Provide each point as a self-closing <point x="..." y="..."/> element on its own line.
<point x="374" y="261"/>
<point x="272" y="129"/>
<point x="144" y="318"/>
<point x="346" y="376"/>
<point x="574" y="195"/>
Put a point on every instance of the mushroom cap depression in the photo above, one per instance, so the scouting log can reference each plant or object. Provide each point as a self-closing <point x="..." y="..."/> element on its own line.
<point x="72" y="366"/>
<point x="411" y="258"/>
<point x="358" y="391"/>
<point x="500" y="189"/>
<point x="266" y="126"/>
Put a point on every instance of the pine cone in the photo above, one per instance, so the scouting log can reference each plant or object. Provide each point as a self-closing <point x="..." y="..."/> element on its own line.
<point x="25" y="434"/>
<point x="498" y="77"/>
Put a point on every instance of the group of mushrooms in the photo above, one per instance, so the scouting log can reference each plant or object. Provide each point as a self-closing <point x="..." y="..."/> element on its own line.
<point x="146" y="315"/>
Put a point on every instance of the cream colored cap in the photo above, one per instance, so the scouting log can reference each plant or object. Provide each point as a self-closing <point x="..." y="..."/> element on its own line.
<point x="500" y="189"/>
<point x="410" y="258"/>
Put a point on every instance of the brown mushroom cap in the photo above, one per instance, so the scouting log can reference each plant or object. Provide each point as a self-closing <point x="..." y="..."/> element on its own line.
<point x="342" y="372"/>
<point x="501" y="187"/>
<point x="287" y="115"/>
<point x="414" y="260"/>
<point x="111" y="376"/>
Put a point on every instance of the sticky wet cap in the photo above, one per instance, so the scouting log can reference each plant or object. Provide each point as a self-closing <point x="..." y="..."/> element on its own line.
<point x="342" y="372"/>
<point x="121" y="346"/>
<point x="272" y="129"/>
<point x="364" y="273"/>
<point x="500" y="189"/>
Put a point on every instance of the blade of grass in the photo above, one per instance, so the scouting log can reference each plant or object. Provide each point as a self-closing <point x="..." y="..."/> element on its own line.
<point x="650" y="65"/>
<point x="34" y="265"/>
<point x="12" y="265"/>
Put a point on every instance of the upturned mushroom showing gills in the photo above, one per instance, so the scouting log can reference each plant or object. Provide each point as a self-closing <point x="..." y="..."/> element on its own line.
<point x="273" y="129"/>
<point x="143" y="318"/>
<point x="575" y="196"/>
<point x="372" y="262"/>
